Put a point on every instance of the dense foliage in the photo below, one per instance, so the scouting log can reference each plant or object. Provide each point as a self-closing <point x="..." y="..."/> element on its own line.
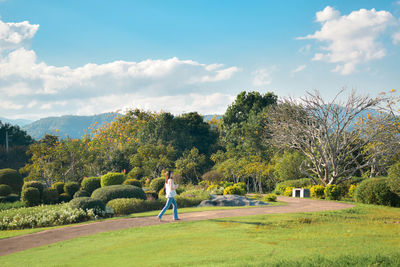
<point x="118" y="191"/>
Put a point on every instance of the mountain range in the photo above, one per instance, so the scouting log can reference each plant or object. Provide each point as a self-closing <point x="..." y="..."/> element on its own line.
<point x="69" y="125"/>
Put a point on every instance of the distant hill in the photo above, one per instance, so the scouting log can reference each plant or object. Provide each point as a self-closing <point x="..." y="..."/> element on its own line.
<point x="19" y="122"/>
<point x="69" y="125"/>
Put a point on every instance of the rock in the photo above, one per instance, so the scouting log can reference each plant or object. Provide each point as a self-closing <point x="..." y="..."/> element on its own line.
<point x="230" y="200"/>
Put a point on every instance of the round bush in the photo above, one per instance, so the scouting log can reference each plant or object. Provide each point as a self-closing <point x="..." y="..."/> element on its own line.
<point x="12" y="178"/>
<point x="118" y="191"/>
<point x="50" y="196"/>
<point x="30" y="196"/>
<point x="5" y="190"/>
<point x="35" y="184"/>
<point x="124" y="206"/>
<point x="90" y="184"/>
<point x="270" y="197"/>
<point x="87" y="203"/>
<point x="11" y="198"/>
<point x="157" y="184"/>
<point x="59" y="186"/>
<point x="81" y="193"/>
<point x="134" y="182"/>
<point x="333" y="192"/>
<point x="64" y="197"/>
<point x="135" y="173"/>
<point x="288" y="191"/>
<point x="71" y="188"/>
<point x="377" y="191"/>
<point x="112" y="178"/>
<point x="317" y="191"/>
<point x="234" y="190"/>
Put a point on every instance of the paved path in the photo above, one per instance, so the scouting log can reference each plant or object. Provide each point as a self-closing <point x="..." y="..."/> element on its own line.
<point x="20" y="243"/>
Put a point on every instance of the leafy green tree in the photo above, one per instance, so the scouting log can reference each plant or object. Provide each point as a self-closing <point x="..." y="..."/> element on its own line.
<point x="287" y="166"/>
<point x="191" y="165"/>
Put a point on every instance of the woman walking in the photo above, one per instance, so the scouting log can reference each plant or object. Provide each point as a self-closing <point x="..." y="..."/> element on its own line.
<point x="170" y="193"/>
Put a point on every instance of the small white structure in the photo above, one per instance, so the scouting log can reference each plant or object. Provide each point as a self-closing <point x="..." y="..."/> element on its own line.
<point x="301" y="192"/>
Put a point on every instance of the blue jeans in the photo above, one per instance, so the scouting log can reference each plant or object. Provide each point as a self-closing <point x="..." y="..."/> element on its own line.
<point x="170" y="201"/>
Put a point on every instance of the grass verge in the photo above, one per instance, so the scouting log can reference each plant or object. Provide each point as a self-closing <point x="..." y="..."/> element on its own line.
<point x="365" y="235"/>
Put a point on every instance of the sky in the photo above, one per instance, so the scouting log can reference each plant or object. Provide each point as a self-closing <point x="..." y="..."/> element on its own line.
<point x="90" y="57"/>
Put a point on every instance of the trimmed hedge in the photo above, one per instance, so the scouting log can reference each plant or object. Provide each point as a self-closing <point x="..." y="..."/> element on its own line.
<point x="118" y="191"/>
<point x="134" y="182"/>
<point x="124" y="206"/>
<point x="59" y="186"/>
<point x="112" y="178"/>
<point x="64" y="197"/>
<point x="87" y="203"/>
<point x="157" y="184"/>
<point x="50" y="196"/>
<point x="12" y="178"/>
<point x="299" y="183"/>
<point x="81" y="193"/>
<point x="71" y="188"/>
<point x="30" y="196"/>
<point x="377" y="191"/>
<point x="35" y="184"/>
<point x="5" y="190"/>
<point x="135" y="173"/>
<point x="90" y="184"/>
<point x="10" y="198"/>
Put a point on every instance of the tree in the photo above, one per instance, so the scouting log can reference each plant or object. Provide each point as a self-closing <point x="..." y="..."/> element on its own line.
<point x="191" y="165"/>
<point x="286" y="166"/>
<point x="330" y="134"/>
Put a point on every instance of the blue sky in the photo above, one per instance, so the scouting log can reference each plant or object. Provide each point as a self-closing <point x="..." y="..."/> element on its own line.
<point x="87" y="57"/>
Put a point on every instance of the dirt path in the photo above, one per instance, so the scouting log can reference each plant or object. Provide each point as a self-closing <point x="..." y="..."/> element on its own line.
<point x="20" y="243"/>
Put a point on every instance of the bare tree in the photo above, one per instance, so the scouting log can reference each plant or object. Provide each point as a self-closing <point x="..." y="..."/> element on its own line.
<point x="333" y="135"/>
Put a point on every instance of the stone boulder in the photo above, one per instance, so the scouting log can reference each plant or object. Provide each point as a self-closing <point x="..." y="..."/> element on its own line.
<point x="230" y="200"/>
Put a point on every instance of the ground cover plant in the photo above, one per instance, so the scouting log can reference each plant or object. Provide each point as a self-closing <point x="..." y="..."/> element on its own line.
<point x="366" y="235"/>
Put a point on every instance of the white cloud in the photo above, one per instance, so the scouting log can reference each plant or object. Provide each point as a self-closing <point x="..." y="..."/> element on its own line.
<point x="262" y="76"/>
<point x="351" y="39"/>
<point x="36" y="88"/>
<point x="299" y="68"/>
<point x="396" y="38"/>
<point x="305" y="49"/>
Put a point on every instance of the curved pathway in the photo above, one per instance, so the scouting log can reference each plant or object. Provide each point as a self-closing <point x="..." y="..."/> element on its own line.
<point x="20" y="243"/>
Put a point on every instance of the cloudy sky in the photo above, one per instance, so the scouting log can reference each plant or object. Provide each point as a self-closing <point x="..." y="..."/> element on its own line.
<point x="89" y="57"/>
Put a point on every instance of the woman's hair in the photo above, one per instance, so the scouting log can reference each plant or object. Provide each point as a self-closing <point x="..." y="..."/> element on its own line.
<point x="167" y="176"/>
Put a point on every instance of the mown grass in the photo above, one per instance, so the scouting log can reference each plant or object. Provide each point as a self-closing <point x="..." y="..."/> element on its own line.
<point x="13" y="233"/>
<point x="365" y="235"/>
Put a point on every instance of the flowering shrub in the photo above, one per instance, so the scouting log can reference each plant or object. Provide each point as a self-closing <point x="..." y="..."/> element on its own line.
<point x="288" y="191"/>
<point x="317" y="191"/>
<point x="270" y="197"/>
<point x="352" y="190"/>
<point x="234" y="190"/>
<point x="42" y="216"/>
<point x="215" y="189"/>
<point x="332" y="192"/>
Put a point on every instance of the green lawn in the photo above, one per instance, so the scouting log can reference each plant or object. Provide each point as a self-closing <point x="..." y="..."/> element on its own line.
<point x="13" y="233"/>
<point x="365" y="235"/>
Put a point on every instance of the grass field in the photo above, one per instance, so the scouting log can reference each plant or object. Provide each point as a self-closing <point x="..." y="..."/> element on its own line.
<point x="365" y="235"/>
<point x="13" y="233"/>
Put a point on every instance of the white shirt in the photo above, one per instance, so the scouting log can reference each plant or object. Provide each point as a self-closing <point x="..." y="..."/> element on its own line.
<point x="170" y="188"/>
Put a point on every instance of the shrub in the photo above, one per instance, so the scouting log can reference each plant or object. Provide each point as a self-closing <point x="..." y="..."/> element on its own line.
<point x="90" y="184"/>
<point x="215" y="189"/>
<point x="50" y="196"/>
<point x="212" y="176"/>
<point x="157" y="184"/>
<point x="81" y="193"/>
<point x="377" y="191"/>
<point x="332" y="192"/>
<point x="241" y="185"/>
<point x="288" y="191"/>
<point x="112" y="178"/>
<point x="10" y="198"/>
<point x="317" y="191"/>
<point x="270" y="197"/>
<point x="135" y="173"/>
<point x="64" y="197"/>
<point x="118" y="191"/>
<point x="394" y="185"/>
<point x="300" y="183"/>
<point x="71" y="188"/>
<point x="161" y="193"/>
<point x="394" y="170"/>
<point x="5" y="190"/>
<point x="234" y="190"/>
<point x="195" y="193"/>
<point x="35" y="184"/>
<point x="59" y="186"/>
<point x="12" y="178"/>
<point x="134" y="182"/>
<point x="87" y="203"/>
<point x="184" y="202"/>
<point x="30" y="196"/>
<point x="124" y="206"/>
<point x="14" y="205"/>
<point x="352" y="190"/>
